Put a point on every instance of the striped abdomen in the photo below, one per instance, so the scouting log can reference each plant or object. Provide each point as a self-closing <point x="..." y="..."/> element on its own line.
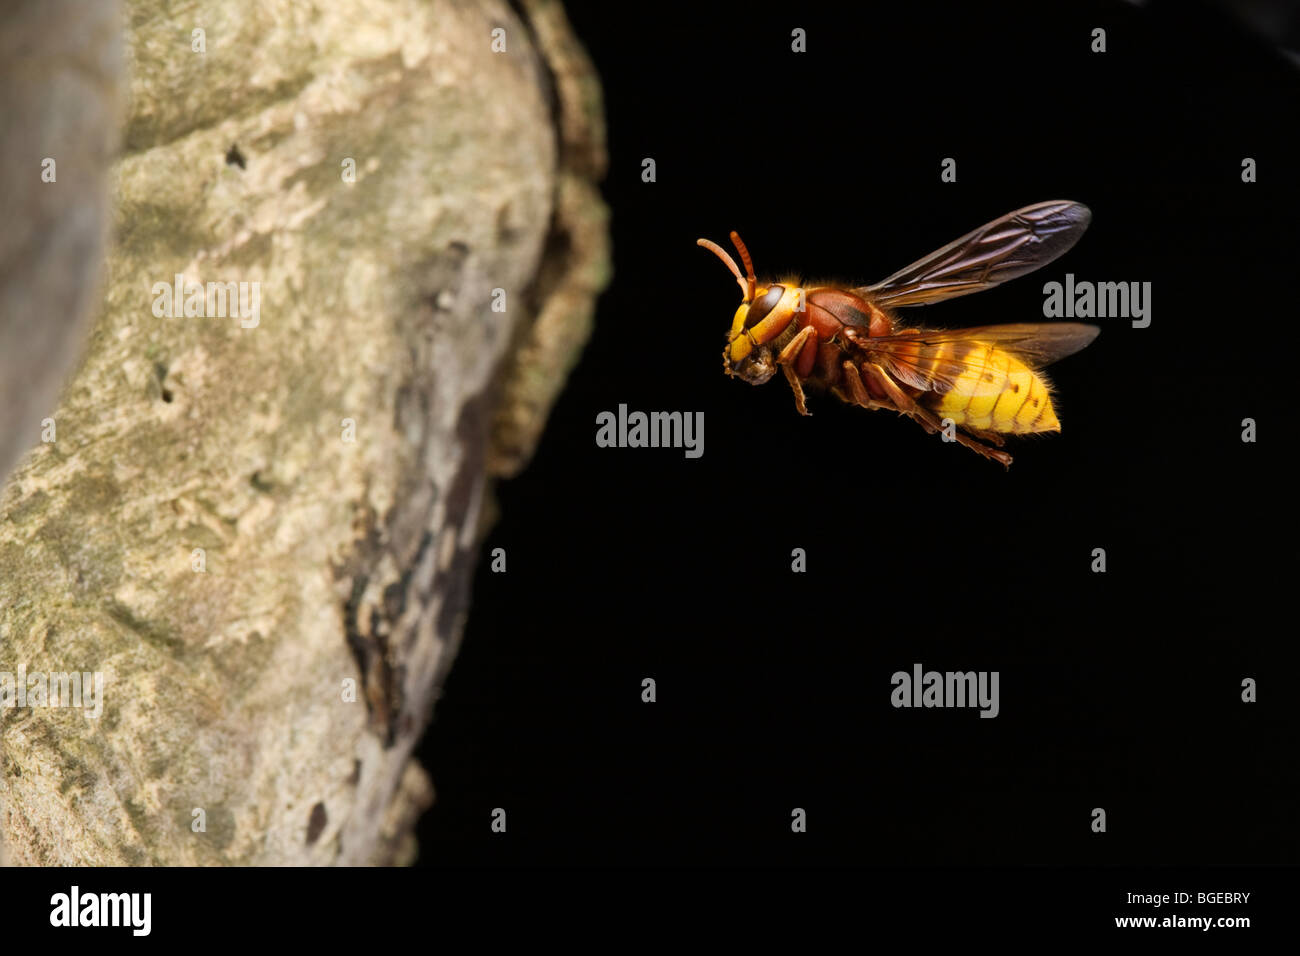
<point x="996" y="392"/>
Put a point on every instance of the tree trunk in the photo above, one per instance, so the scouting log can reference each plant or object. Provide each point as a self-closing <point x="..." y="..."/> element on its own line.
<point x="259" y="524"/>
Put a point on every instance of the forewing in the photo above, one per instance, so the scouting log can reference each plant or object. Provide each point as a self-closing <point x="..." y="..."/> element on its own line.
<point x="934" y="359"/>
<point x="1016" y="244"/>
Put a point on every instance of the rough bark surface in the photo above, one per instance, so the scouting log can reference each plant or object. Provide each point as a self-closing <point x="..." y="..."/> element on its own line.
<point x="196" y="441"/>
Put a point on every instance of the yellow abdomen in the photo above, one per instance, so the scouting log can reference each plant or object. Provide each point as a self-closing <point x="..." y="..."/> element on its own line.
<point x="998" y="393"/>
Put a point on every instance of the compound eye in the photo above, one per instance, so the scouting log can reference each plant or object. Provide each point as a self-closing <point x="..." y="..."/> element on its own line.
<point x="758" y="311"/>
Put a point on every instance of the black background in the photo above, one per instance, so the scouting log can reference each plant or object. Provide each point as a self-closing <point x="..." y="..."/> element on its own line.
<point x="1118" y="690"/>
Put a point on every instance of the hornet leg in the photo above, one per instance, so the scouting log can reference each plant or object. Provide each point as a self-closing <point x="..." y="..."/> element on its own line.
<point x="797" y="388"/>
<point x="927" y="418"/>
<point x="786" y="360"/>
<point x="857" y="393"/>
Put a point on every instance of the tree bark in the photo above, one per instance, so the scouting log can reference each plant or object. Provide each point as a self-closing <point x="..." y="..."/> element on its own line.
<point x="241" y="518"/>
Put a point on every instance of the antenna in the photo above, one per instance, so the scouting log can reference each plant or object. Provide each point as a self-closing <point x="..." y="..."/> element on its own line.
<point x="749" y="265"/>
<point x="746" y="287"/>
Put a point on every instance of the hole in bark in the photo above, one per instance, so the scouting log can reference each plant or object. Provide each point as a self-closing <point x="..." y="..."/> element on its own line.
<point x="316" y="823"/>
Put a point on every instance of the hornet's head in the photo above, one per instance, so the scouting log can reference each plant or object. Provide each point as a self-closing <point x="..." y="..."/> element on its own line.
<point x="762" y="316"/>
